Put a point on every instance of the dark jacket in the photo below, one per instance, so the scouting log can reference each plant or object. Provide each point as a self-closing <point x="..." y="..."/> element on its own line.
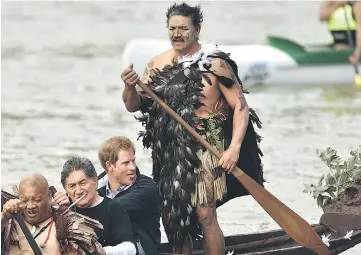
<point x="142" y="202"/>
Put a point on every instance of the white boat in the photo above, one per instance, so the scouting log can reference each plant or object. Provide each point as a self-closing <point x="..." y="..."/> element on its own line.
<point x="280" y="61"/>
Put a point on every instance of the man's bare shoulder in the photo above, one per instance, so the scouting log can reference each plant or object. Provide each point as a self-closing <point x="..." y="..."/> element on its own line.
<point x="357" y="10"/>
<point x="217" y="64"/>
<point x="221" y="67"/>
<point x="166" y="54"/>
<point x="163" y="59"/>
<point x="224" y="71"/>
<point x="157" y="62"/>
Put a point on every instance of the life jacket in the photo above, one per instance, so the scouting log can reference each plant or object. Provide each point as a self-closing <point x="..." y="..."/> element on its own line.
<point x="338" y="25"/>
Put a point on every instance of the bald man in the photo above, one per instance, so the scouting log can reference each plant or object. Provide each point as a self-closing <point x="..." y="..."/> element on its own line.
<point x="35" y="204"/>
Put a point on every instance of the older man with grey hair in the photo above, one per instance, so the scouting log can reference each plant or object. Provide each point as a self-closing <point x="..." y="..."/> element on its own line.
<point x="79" y="179"/>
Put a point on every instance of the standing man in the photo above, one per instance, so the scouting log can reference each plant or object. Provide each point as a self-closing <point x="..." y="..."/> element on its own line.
<point x="201" y="83"/>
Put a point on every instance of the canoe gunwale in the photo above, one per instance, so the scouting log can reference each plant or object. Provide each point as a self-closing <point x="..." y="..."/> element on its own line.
<point x="276" y="242"/>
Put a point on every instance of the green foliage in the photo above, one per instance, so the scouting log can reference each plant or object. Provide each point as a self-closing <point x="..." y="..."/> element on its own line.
<point x="212" y="125"/>
<point x="342" y="174"/>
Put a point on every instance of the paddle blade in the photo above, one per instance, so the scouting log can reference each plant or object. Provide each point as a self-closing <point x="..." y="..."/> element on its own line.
<point x="296" y="227"/>
<point x="357" y="81"/>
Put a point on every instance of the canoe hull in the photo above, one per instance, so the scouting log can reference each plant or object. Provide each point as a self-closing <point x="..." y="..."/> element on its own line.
<point x="274" y="242"/>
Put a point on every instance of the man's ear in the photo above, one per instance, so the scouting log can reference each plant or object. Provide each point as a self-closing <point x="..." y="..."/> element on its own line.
<point x="108" y="167"/>
<point x="50" y="194"/>
<point x="198" y="29"/>
<point x="50" y="197"/>
<point x="95" y="179"/>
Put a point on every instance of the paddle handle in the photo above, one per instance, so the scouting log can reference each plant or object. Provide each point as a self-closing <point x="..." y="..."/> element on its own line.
<point x="102" y="175"/>
<point x="27" y="234"/>
<point x="52" y="190"/>
<point x="350" y="39"/>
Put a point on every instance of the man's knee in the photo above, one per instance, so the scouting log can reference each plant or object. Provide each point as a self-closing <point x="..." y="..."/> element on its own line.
<point x="205" y="215"/>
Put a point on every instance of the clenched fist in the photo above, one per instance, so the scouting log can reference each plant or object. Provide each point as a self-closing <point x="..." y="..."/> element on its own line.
<point x="129" y="76"/>
<point x="12" y="206"/>
<point x="61" y="198"/>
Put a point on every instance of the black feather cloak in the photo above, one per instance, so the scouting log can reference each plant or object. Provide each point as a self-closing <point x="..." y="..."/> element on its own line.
<point x="174" y="150"/>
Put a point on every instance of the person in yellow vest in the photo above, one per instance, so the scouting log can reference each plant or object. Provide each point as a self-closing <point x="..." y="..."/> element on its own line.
<point x="334" y="13"/>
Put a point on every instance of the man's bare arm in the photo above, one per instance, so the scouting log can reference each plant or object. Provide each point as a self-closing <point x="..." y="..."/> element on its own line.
<point x="131" y="99"/>
<point x="327" y="8"/>
<point x="132" y="94"/>
<point x="236" y="100"/>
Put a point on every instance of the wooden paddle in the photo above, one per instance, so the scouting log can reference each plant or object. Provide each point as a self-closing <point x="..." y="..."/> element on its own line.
<point x="101" y="175"/>
<point x="296" y="227"/>
<point x="357" y="78"/>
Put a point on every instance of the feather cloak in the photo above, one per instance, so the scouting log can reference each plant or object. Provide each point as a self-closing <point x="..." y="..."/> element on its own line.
<point x="75" y="232"/>
<point x="174" y="151"/>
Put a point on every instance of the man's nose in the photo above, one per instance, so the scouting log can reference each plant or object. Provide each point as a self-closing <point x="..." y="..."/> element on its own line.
<point x="30" y="204"/>
<point x="132" y="166"/>
<point x="78" y="190"/>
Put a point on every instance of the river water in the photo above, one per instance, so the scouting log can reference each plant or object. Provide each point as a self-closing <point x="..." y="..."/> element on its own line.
<point x="61" y="94"/>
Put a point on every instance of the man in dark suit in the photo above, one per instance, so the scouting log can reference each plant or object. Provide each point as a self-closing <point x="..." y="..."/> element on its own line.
<point x="137" y="193"/>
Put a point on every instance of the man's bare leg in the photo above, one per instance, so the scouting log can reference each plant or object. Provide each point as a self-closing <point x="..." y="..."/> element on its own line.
<point x="213" y="239"/>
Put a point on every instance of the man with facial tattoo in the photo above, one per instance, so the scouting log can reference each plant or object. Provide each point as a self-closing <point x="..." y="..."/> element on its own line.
<point x="201" y="84"/>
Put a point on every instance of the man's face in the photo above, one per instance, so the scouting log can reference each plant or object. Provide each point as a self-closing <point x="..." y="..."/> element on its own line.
<point x="37" y="202"/>
<point x="182" y="32"/>
<point x="78" y="184"/>
<point x="124" y="169"/>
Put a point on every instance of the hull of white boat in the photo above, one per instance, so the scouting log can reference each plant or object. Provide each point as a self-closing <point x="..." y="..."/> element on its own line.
<point x="258" y="64"/>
